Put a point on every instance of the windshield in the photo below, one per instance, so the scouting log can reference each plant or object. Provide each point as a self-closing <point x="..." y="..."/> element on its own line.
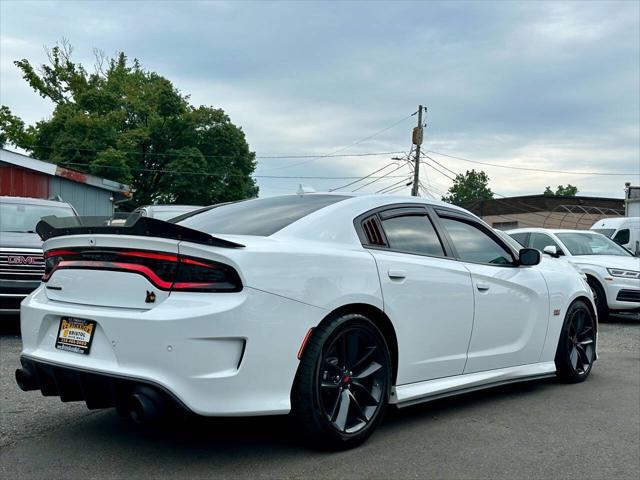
<point x="591" y="244"/>
<point x="22" y="218"/>
<point x="607" y="232"/>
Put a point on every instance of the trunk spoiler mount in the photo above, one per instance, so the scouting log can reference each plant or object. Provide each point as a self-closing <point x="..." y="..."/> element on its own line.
<point x="52" y="226"/>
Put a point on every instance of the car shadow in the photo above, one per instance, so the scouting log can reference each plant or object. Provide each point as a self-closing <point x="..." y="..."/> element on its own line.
<point x="187" y="435"/>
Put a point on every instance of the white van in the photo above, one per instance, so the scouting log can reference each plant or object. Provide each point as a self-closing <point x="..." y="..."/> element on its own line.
<point x="624" y="231"/>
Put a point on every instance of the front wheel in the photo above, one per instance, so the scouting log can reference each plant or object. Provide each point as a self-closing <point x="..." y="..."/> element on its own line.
<point x="577" y="345"/>
<point x="343" y="382"/>
<point x="600" y="299"/>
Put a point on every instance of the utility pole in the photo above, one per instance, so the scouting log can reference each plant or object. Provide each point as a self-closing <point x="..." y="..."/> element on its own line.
<point x="417" y="141"/>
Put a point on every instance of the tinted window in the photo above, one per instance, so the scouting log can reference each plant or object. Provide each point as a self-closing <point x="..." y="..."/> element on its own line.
<point x="474" y="245"/>
<point x="622" y="237"/>
<point x="261" y="216"/>
<point x="521" y="238"/>
<point x="412" y="234"/>
<point x="541" y="240"/>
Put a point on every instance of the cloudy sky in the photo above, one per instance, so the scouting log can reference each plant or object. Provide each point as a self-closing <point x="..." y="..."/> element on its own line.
<point x="546" y="85"/>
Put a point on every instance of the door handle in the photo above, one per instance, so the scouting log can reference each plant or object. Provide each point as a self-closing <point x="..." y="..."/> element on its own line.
<point x="396" y="274"/>
<point x="483" y="287"/>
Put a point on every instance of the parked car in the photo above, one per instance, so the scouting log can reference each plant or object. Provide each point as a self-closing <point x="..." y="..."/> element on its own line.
<point x="625" y="231"/>
<point x="21" y="261"/>
<point x="548" y="261"/>
<point x="165" y="212"/>
<point x="612" y="271"/>
<point x="330" y="306"/>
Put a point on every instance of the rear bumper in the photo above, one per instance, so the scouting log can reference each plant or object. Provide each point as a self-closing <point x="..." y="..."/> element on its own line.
<point x="97" y="390"/>
<point x="216" y="354"/>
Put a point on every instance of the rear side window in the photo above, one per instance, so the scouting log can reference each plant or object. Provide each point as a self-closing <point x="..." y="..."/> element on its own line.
<point x="474" y="245"/>
<point x="412" y="234"/>
<point x="260" y="216"/>
<point x="622" y="237"/>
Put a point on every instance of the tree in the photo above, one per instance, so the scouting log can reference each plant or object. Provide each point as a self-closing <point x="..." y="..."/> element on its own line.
<point x="470" y="186"/>
<point x="568" y="191"/>
<point x="133" y="126"/>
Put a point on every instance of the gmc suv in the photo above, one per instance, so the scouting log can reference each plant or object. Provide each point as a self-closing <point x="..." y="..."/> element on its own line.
<point x="21" y="259"/>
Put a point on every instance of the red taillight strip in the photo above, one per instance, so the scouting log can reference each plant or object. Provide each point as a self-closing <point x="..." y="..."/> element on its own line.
<point x="153" y="255"/>
<point x="56" y="253"/>
<point x="191" y="261"/>
<point x="183" y="285"/>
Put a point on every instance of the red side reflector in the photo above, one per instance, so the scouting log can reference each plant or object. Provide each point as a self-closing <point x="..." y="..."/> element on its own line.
<point x="304" y="343"/>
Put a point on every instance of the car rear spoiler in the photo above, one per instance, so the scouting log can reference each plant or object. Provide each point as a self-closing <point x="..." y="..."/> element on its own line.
<point x="52" y="226"/>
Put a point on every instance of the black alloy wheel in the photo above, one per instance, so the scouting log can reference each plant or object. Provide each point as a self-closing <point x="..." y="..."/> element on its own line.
<point x="352" y="379"/>
<point x="343" y="382"/>
<point x="577" y="346"/>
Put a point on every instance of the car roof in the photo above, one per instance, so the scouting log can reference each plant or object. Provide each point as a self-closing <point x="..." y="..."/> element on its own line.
<point x="336" y="220"/>
<point x="33" y="201"/>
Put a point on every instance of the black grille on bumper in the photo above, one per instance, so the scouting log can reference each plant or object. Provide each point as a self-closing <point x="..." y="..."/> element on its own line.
<point x="97" y="390"/>
<point x="626" y="295"/>
<point x="10" y="302"/>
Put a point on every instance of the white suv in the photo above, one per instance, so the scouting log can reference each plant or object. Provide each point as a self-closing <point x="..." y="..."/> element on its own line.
<point x="612" y="271"/>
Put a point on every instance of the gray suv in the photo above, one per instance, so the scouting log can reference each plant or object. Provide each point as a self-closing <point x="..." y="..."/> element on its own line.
<point x="21" y="259"/>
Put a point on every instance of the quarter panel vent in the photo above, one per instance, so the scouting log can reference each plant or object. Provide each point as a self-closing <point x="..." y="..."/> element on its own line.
<point x="373" y="232"/>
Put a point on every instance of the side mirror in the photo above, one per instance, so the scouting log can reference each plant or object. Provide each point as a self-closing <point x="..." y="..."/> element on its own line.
<point x="552" y="250"/>
<point x="530" y="256"/>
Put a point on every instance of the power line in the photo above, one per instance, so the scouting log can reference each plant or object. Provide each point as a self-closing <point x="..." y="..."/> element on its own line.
<point x="532" y="169"/>
<point x="443" y="166"/>
<point x="312" y="158"/>
<point x="260" y="157"/>
<point x="393" y="190"/>
<point x="439" y="171"/>
<point x="380" y="178"/>
<point x="362" y="178"/>
<point x="522" y="210"/>
<point x="394" y="184"/>
<point x="224" y="174"/>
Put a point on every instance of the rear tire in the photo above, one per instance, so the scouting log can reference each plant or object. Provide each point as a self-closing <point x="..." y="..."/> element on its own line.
<point x="600" y="299"/>
<point x="577" y="345"/>
<point x="343" y="383"/>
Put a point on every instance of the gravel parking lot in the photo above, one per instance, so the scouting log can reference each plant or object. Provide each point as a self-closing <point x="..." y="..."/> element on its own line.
<point x="536" y="430"/>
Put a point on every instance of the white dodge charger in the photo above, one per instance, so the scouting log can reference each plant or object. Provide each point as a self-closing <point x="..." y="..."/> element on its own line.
<point x="329" y="306"/>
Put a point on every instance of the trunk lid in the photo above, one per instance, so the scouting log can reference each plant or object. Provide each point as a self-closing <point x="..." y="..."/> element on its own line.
<point x="88" y="285"/>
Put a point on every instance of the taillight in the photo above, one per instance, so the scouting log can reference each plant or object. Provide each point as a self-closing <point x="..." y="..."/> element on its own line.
<point x="198" y="275"/>
<point x="164" y="270"/>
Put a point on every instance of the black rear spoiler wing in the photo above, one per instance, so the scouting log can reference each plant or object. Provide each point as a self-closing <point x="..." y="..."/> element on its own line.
<point x="50" y="227"/>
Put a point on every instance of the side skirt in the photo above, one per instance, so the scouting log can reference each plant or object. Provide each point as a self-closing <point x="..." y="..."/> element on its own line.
<point x="413" y="393"/>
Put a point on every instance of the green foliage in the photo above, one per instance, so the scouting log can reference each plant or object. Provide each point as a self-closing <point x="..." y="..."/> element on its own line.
<point x="470" y="186"/>
<point x="568" y="191"/>
<point x="131" y="125"/>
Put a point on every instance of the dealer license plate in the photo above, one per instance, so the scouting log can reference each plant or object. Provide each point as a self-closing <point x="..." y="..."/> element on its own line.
<point x="75" y="335"/>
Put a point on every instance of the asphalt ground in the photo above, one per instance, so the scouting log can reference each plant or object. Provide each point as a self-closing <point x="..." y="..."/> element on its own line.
<point x="542" y="429"/>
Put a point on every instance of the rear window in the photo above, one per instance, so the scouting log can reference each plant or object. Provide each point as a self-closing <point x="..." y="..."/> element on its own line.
<point x="261" y="216"/>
